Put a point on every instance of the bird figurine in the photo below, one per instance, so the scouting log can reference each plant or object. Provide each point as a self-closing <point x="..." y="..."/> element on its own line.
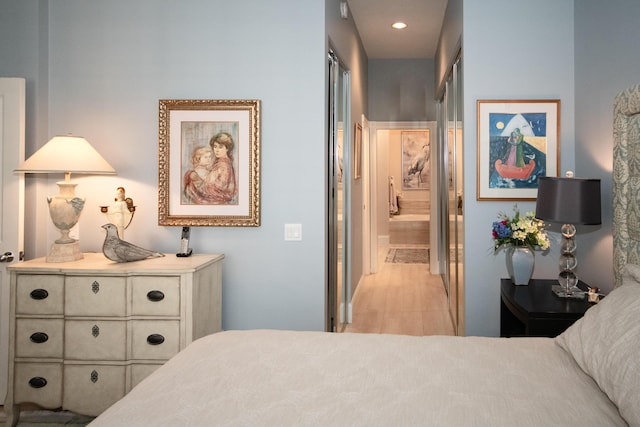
<point x="120" y="251"/>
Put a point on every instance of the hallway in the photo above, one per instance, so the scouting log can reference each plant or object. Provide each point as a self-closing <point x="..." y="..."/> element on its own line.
<point x="402" y="299"/>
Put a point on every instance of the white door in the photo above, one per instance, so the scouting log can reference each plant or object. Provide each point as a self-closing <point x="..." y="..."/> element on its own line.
<point x="12" y="123"/>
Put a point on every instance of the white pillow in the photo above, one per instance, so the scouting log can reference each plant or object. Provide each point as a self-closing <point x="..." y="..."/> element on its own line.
<point x="606" y="344"/>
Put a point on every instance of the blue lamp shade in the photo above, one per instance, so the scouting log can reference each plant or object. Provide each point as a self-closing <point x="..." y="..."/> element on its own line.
<point x="569" y="200"/>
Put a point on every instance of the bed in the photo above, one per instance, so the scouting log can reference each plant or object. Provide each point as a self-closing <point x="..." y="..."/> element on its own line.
<point x="587" y="376"/>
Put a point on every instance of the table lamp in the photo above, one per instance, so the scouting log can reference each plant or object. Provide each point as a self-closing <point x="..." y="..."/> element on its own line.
<point x="66" y="154"/>
<point x="568" y="201"/>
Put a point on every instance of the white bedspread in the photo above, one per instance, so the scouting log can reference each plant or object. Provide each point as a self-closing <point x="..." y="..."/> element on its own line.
<point x="285" y="378"/>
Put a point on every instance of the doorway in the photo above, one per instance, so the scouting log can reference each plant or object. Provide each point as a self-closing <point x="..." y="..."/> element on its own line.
<point x="401" y="198"/>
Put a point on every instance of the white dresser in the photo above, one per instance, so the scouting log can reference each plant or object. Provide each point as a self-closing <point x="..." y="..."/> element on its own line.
<point x="83" y="333"/>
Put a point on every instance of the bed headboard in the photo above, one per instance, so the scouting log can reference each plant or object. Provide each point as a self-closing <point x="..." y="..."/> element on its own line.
<point x="626" y="180"/>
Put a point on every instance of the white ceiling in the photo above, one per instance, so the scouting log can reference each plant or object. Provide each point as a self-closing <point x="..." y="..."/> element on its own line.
<point x="373" y="19"/>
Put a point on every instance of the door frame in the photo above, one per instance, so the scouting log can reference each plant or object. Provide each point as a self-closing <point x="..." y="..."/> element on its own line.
<point x="12" y="144"/>
<point x="371" y="198"/>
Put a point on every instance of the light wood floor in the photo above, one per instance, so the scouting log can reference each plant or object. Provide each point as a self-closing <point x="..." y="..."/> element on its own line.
<point x="403" y="299"/>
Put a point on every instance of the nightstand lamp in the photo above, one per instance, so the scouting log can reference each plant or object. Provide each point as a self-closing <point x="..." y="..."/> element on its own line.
<point x="66" y="154"/>
<point x="568" y="201"/>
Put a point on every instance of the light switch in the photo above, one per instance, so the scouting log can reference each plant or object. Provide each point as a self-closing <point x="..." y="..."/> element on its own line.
<point x="293" y="232"/>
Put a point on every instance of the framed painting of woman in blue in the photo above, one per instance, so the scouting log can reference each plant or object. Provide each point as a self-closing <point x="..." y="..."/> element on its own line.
<point x="518" y="142"/>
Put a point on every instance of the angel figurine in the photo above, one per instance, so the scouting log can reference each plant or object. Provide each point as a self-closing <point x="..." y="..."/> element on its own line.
<point x="121" y="212"/>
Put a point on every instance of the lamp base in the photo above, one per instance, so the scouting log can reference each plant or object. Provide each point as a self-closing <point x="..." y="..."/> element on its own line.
<point x="576" y="293"/>
<point x="64" y="252"/>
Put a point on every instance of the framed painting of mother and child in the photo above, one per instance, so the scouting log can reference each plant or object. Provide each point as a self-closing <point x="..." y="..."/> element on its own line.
<point x="209" y="163"/>
<point x="518" y="142"/>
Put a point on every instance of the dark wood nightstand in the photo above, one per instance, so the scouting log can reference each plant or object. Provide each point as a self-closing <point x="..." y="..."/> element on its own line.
<point x="535" y="311"/>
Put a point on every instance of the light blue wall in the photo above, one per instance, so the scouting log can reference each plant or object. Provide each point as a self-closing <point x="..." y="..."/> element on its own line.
<point x="109" y="64"/>
<point x="607" y="62"/>
<point x="512" y="49"/>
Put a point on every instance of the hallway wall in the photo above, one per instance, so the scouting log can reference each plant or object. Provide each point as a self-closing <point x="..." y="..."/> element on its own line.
<point x="401" y="90"/>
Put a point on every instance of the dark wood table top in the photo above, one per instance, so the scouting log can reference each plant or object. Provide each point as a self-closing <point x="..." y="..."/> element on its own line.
<point x="537" y="300"/>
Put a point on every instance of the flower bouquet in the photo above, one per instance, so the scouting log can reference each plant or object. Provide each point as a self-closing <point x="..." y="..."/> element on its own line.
<point x="520" y="235"/>
<point x="519" y="230"/>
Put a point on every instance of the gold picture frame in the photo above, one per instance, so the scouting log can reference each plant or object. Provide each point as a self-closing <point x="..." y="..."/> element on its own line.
<point x="209" y="163"/>
<point x="518" y="142"/>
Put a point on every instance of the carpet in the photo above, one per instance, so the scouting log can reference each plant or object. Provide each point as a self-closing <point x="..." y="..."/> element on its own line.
<point x="408" y="256"/>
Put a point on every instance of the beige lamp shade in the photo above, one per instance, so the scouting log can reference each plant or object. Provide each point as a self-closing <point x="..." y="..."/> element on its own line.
<point x="64" y="154"/>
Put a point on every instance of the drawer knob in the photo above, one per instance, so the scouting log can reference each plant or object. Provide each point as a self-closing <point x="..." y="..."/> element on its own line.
<point x="39" y="337"/>
<point x="39" y="294"/>
<point x="155" y="296"/>
<point x="37" y="382"/>
<point x="155" y="339"/>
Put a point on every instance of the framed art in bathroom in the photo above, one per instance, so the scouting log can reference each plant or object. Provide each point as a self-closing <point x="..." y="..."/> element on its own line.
<point x="416" y="151"/>
<point x="209" y="163"/>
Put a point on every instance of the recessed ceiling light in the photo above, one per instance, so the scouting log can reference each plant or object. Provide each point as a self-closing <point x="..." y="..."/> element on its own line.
<point x="399" y="25"/>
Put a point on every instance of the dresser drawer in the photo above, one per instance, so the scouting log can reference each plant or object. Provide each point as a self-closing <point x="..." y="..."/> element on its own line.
<point x="155" y="296"/>
<point x="95" y="296"/>
<point x="39" y="338"/>
<point x="39" y="383"/>
<point x="90" y="389"/>
<point x="155" y="339"/>
<point x="95" y="339"/>
<point x="140" y="372"/>
<point x="39" y="294"/>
